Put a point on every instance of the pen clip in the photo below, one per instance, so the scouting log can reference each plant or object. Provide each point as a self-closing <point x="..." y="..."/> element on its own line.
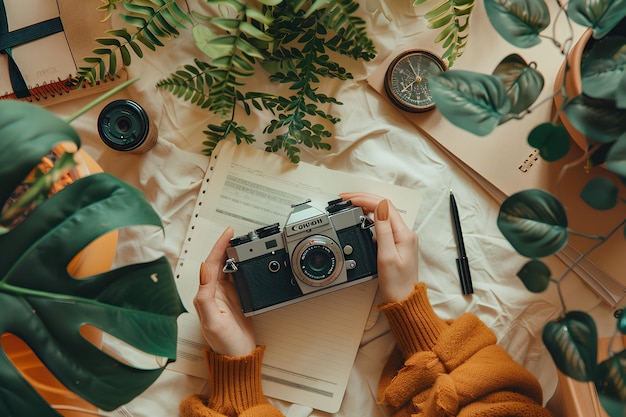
<point x="462" y="266"/>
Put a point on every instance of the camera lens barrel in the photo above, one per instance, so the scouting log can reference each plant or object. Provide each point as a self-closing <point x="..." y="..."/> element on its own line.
<point x="124" y="125"/>
<point x="317" y="260"/>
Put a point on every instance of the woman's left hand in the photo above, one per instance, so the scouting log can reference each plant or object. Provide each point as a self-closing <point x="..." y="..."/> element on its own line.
<point x="224" y="326"/>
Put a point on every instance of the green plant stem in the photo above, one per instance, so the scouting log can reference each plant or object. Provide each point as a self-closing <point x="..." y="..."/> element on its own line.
<point x="566" y="45"/>
<point x="100" y="99"/>
<point x="570" y="268"/>
<point x="570" y="165"/>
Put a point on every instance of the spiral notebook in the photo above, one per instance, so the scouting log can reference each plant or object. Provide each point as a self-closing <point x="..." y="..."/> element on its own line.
<point x="311" y="345"/>
<point x="43" y="43"/>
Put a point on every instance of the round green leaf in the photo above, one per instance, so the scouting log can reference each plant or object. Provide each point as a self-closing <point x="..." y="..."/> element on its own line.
<point x="519" y="22"/>
<point x="552" y="141"/>
<point x="534" y="222"/>
<point x="597" y="119"/>
<point x="523" y="82"/>
<point x="621" y="321"/>
<point x="473" y="101"/>
<point x="573" y="344"/>
<point x="616" y="157"/>
<point x="611" y="384"/>
<point x="535" y="275"/>
<point x="603" y="68"/>
<point x="600" y="193"/>
<point x="601" y="16"/>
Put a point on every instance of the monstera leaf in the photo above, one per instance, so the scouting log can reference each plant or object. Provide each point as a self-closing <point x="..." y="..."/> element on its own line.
<point x="45" y="307"/>
<point x="573" y="344"/>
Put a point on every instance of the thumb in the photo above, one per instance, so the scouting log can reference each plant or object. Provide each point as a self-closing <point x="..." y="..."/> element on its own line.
<point x="208" y="283"/>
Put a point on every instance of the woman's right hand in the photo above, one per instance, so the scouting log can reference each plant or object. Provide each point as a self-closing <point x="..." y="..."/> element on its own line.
<point x="397" y="246"/>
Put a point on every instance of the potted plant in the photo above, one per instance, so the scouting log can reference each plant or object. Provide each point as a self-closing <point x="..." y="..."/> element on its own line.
<point x="295" y="42"/>
<point x="63" y="309"/>
<point x="534" y="221"/>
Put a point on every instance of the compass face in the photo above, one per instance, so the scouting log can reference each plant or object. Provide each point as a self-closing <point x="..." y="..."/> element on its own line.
<point x="406" y="80"/>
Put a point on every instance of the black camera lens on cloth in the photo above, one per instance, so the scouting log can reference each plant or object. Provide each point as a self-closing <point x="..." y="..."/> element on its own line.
<point x="124" y="125"/>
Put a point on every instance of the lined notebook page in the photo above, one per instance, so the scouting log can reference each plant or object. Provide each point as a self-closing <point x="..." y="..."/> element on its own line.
<point x="311" y="345"/>
<point x="318" y="339"/>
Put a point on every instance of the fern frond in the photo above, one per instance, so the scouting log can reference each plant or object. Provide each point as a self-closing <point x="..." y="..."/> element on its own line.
<point x="216" y="133"/>
<point x="155" y="21"/>
<point x="452" y="17"/>
<point x="296" y="45"/>
<point x="233" y="46"/>
<point x="351" y="36"/>
<point x="108" y="7"/>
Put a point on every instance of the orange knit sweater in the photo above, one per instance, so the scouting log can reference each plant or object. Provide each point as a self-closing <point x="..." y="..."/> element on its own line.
<point x="440" y="369"/>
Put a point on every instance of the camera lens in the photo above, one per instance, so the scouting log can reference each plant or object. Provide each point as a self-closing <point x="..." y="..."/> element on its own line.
<point x="317" y="260"/>
<point x="124" y="125"/>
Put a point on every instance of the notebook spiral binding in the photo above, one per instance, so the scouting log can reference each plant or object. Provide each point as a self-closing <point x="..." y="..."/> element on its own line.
<point x="62" y="90"/>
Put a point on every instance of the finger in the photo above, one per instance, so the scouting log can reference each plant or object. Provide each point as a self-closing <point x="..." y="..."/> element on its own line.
<point x="384" y="231"/>
<point x="400" y="230"/>
<point x="365" y="200"/>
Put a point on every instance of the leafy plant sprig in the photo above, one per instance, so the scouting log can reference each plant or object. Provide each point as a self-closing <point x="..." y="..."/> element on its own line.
<point x="452" y="17"/>
<point x="293" y="40"/>
<point x="155" y="21"/>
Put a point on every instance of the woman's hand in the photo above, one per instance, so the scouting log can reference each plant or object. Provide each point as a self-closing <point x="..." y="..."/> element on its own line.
<point x="224" y="326"/>
<point x="397" y="246"/>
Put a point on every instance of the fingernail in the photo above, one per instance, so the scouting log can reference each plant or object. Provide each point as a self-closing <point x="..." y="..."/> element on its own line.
<point x="382" y="210"/>
<point x="203" y="277"/>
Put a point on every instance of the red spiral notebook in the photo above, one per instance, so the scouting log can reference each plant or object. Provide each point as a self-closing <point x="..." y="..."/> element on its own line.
<point x="42" y="45"/>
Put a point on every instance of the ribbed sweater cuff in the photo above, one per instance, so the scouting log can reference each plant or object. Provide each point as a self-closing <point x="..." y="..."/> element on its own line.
<point x="235" y="381"/>
<point x="413" y="321"/>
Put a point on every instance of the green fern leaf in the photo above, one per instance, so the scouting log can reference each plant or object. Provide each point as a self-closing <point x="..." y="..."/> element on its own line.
<point x="452" y="17"/>
<point x="108" y="8"/>
<point x="154" y="21"/>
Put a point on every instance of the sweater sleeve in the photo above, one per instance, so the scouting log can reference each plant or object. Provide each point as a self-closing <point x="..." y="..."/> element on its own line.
<point x="452" y="368"/>
<point x="236" y="389"/>
<point x="414" y="323"/>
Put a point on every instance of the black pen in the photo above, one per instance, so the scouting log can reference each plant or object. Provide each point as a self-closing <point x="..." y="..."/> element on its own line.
<point x="462" y="263"/>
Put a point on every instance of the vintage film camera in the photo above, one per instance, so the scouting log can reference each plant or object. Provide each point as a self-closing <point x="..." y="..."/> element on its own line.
<point x="317" y="252"/>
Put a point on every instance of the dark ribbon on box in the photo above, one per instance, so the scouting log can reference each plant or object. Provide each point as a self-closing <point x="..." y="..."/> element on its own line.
<point x="21" y="36"/>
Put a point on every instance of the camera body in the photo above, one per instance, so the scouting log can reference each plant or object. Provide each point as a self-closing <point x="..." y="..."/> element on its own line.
<point x="316" y="252"/>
